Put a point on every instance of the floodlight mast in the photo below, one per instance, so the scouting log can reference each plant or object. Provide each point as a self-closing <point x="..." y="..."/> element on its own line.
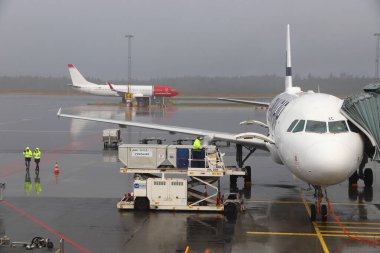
<point x="377" y="56"/>
<point x="129" y="37"/>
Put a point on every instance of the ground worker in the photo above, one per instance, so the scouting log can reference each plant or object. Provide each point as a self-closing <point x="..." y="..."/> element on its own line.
<point x="197" y="152"/>
<point x="37" y="158"/>
<point x="197" y="143"/>
<point x="28" y="157"/>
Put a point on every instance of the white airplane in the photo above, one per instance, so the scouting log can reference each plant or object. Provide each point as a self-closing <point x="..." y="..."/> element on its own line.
<point x="79" y="82"/>
<point x="306" y="132"/>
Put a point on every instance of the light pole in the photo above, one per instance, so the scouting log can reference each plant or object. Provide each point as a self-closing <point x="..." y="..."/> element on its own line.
<point x="377" y="56"/>
<point x="129" y="58"/>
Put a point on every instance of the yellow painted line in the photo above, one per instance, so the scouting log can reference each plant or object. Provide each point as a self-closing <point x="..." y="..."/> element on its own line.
<point x="320" y="237"/>
<point x="349" y="222"/>
<point x="308" y="234"/>
<point x="369" y="228"/>
<point x="280" y="233"/>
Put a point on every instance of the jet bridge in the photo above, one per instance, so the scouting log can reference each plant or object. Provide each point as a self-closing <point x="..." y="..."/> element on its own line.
<point x="363" y="110"/>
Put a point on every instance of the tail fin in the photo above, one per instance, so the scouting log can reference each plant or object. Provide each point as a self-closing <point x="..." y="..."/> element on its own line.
<point x="288" y="78"/>
<point x="76" y="77"/>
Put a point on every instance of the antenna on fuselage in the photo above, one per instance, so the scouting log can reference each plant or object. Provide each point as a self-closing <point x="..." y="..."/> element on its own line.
<point x="288" y="77"/>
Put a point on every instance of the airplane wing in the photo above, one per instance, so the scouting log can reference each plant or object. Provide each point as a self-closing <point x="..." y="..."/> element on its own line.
<point x="256" y="140"/>
<point x="245" y="101"/>
<point x="119" y="92"/>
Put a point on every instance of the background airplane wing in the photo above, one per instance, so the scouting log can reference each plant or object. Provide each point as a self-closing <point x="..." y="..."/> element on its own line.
<point x="253" y="139"/>
<point x="119" y="92"/>
<point x="245" y="101"/>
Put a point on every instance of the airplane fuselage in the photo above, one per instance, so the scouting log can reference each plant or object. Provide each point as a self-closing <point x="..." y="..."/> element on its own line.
<point x="312" y="138"/>
<point x="80" y="83"/>
<point x="137" y="90"/>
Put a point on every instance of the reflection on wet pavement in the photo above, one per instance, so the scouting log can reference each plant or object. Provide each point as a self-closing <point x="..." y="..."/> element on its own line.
<point x="81" y="201"/>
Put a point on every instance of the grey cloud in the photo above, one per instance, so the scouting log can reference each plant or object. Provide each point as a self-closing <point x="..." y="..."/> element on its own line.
<point x="178" y="37"/>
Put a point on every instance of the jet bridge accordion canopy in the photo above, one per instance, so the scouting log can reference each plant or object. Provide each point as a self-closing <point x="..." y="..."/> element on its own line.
<point x="364" y="110"/>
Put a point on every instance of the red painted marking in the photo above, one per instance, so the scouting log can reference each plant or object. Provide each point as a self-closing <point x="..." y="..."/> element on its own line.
<point x="70" y="65"/>
<point x="164" y="91"/>
<point x="46" y="227"/>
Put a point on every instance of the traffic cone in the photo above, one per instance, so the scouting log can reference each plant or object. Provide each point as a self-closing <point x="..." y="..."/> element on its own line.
<point x="56" y="169"/>
<point x="218" y="201"/>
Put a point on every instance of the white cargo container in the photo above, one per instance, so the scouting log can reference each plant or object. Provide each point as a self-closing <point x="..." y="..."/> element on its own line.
<point x="167" y="192"/>
<point x="111" y="138"/>
<point x="142" y="156"/>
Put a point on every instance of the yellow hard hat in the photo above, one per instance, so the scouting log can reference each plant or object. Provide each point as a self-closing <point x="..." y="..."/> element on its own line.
<point x="27" y="147"/>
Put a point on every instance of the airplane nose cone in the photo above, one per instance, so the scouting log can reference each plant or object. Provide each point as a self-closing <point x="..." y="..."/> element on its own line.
<point x="330" y="164"/>
<point x="173" y="92"/>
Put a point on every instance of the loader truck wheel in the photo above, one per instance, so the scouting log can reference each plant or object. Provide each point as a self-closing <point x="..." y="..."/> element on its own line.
<point x="141" y="204"/>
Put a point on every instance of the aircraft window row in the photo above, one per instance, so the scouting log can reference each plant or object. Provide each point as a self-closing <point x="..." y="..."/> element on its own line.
<point x="338" y="127"/>
<point x="292" y="125"/>
<point x="313" y="126"/>
<point x="299" y="127"/>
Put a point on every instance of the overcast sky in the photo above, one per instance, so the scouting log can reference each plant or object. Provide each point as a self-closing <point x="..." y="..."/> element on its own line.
<point x="193" y="37"/>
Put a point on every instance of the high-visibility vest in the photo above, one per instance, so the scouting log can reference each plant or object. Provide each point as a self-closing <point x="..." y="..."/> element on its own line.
<point x="37" y="154"/>
<point x="197" y="144"/>
<point x="28" y="153"/>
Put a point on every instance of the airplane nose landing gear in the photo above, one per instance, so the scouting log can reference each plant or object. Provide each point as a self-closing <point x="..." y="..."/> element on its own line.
<point x="317" y="208"/>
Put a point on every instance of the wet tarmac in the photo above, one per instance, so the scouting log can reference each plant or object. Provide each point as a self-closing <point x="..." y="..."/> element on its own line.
<point x="80" y="204"/>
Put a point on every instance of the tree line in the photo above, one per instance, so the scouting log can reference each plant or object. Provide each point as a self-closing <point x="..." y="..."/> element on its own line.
<point x="342" y="84"/>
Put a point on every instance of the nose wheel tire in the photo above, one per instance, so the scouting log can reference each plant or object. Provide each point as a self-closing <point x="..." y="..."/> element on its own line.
<point x="368" y="177"/>
<point x="313" y="212"/>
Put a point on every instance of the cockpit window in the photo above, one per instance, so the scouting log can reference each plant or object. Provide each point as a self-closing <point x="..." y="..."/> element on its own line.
<point x="316" y="126"/>
<point x="353" y="128"/>
<point x="338" y="127"/>
<point x="299" y="127"/>
<point x="292" y="125"/>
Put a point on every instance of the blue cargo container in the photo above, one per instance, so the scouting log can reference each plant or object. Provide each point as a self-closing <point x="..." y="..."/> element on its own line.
<point x="182" y="158"/>
<point x="198" y="158"/>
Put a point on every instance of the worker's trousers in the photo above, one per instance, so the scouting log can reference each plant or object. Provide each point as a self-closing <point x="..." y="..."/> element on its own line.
<point x="27" y="162"/>
<point x="37" y="161"/>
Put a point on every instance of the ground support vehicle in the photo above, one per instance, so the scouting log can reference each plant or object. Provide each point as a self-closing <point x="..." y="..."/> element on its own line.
<point x="193" y="187"/>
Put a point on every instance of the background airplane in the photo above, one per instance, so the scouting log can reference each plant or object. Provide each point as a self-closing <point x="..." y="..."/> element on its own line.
<point x="306" y="132"/>
<point x="79" y="82"/>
